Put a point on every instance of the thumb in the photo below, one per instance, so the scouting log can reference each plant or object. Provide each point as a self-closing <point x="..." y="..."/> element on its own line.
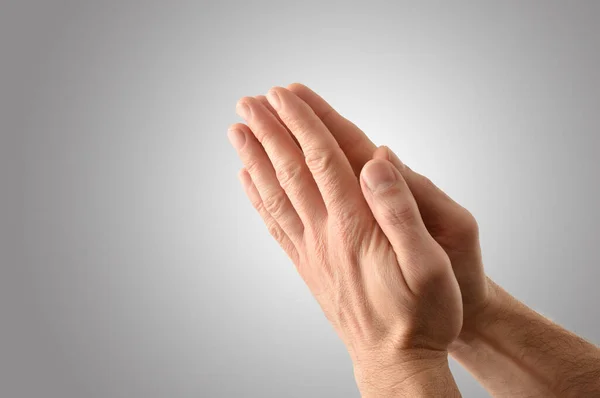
<point x="397" y="213"/>
<point x="438" y="210"/>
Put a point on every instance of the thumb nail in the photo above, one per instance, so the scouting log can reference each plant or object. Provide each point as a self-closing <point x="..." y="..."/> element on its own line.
<point x="379" y="175"/>
<point x="395" y="159"/>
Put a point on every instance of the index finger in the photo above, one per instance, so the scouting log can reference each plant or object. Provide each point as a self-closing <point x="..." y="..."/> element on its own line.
<point x="324" y="157"/>
<point x="354" y="142"/>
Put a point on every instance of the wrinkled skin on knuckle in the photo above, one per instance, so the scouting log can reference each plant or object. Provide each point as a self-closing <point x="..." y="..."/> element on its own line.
<point x="259" y="206"/>
<point x="275" y="204"/>
<point x="301" y="124"/>
<point x="266" y="137"/>
<point x="275" y="231"/>
<point x="253" y="166"/>
<point x="319" y="161"/>
<point x="288" y="173"/>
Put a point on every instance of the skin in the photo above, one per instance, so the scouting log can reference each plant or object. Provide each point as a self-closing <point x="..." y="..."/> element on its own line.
<point x="361" y="246"/>
<point x="509" y="348"/>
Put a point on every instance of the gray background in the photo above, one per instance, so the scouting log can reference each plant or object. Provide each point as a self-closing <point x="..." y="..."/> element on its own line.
<point x="132" y="263"/>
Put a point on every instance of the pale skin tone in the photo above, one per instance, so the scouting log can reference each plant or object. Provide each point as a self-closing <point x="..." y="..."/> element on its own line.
<point x="394" y="263"/>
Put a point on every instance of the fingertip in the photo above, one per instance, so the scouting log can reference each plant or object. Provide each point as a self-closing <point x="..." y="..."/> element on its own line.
<point x="244" y="176"/>
<point x="237" y="138"/>
<point x="273" y="96"/>
<point x="238" y="126"/>
<point x="396" y="160"/>
<point x="297" y="87"/>
<point x="242" y="107"/>
<point x="243" y="100"/>
<point x="383" y="152"/>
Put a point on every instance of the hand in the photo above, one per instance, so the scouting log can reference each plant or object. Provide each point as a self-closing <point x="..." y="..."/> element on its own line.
<point x="451" y="225"/>
<point x="361" y="246"/>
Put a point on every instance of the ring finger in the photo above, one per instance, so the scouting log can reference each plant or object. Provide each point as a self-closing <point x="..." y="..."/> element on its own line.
<point x="258" y="165"/>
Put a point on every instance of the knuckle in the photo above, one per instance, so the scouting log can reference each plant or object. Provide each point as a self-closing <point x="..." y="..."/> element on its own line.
<point x="294" y="122"/>
<point x="253" y="166"/>
<point x="459" y="225"/>
<point x="467" y="226"/>
<point x="428" y="183"/>
<point x="399" y="215"/>
<point x="266" y="137"/>
<point x="288" y="174"/>
<point x="258" y="205"/>
<point x="275" y="203"/>
<point x="298" y="122"/>
<point x="461" y="229"/>
<point x="319" y="161"/>
<point x="275" y="231"/>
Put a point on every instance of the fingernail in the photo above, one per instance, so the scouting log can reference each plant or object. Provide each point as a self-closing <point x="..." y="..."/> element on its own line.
<point x="243" y="110"/>
<point x="273" y="99"/>
<point x="386" y="152"/>
<point x="379" y="175"/>
<point x="237" y="138"/>
<point x="395" y="159"/>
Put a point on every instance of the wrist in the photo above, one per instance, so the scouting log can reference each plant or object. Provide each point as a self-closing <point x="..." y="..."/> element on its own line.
<point x="489" y="312"/>
<point x="414" y="373"/>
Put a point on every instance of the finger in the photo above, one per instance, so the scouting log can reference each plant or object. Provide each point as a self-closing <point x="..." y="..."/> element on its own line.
<point x="359" y="149"/>
<point x="439" y="211"/>
<point x="396" y="212"/>
<point x="263" y="100"/>
<point x="273" y="197"/>
<point x="323" y="156"/>
<point x="272" y="225"/>
<point x="384" y="152"/>
<point x="353" y="141"/>
<point x="287" y="160"/>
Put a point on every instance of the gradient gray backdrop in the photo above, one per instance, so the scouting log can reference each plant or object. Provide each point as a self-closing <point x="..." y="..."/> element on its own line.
<point x="132" y="263"/>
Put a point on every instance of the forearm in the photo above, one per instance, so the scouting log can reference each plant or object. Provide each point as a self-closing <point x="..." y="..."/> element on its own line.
<point x="499" y="373"/>
<point x="425" y="377"/>
<point x="517" y="352"/>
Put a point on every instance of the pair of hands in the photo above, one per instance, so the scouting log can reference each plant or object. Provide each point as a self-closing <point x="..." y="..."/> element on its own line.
<point x="394" y="263"/>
